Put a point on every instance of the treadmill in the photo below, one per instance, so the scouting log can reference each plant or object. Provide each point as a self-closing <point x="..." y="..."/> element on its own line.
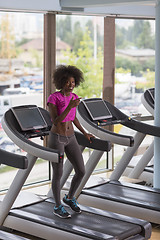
<point x="33" y="214"/>
<point x="17" y="161"/>
<point x="124" y="198"/>
<point x="143" y="169"/>
<point x="148" y="100"/>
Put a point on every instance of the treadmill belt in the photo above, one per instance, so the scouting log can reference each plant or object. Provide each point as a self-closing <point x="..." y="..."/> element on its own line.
<point x="138" y="195"/>
<point x="89" y="224"/>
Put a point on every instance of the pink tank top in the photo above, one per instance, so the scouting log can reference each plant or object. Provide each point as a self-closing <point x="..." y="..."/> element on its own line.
<point x="61" y="103"/>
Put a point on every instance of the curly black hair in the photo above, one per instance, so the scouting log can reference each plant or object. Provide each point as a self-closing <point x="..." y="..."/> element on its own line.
<point x="63" y="73"/>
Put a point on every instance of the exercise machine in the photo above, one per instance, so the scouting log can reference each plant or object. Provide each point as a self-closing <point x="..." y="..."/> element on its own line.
<point x="33" y="214"/>
<point x="124" y="198"/>
<point x="143" y="165"/>
<point x="148" y="100"/>
<point x="16" y="161"/>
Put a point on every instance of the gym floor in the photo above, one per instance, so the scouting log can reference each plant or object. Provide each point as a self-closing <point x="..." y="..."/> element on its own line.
<point x="45" y="188"/>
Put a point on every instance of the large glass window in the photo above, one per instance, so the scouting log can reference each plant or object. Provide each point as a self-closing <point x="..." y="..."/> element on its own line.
<point x="21" y="78"/>
<point x="135" y="72"/>
<point x="79" y="41"/>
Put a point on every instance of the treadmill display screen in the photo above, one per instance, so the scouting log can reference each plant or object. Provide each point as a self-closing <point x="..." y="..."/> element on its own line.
<point x="97" y="109"/>
<point x="29" y="118"/>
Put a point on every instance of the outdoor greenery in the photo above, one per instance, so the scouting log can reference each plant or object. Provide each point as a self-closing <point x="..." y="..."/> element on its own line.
<point x="7" y="44"/>
<point x="138" y="35"/>
<point x="73" y="33"/>
<point x="91" y="67"/>
<point x="150" y="80"/>
<point x="82" y="53"/>
<point x="81" y="39"/>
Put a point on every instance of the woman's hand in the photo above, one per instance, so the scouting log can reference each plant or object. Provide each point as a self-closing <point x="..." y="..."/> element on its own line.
<point x="74" y="103"/>
<point x="89" y="136"/>
<point x="81" y="129"/>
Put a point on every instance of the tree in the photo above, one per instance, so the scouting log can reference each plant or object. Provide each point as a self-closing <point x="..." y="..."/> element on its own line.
<point x="77" y="36"/>
<point x="92" y="68"/>
<point x="73" y="33"/>
<point x="37" y="57"/>
<point x="121" y="40"/>
<point x="64" y="29"/>
<point x="125" y="63"/>
<point x="145" y="39"/>
<point x="140" y="34"/>
<point x="8" y="49"/>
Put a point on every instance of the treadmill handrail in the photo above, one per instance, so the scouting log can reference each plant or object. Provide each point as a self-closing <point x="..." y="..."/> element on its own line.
<point x="143" y="127"/>
<point x="120" y="118"/>
<point x="101" y="132"/>
<point x="136" y="125"/>
<point x="13" y="160"/>
<point x="96" y="143"/>
<point x="28" y="146"/>
<point x="147" y="100"/>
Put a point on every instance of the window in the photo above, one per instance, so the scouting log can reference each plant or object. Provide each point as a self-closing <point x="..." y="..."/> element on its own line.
<point x="21" y="79"/>
<point x="135" y="70"/>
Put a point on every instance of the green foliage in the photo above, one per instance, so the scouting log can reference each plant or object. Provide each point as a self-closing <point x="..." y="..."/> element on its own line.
<point x="22" y="41"/>
<point x="150" y="63"/>
<point x="64" y="29"/>
<point x="125" y="63"/>
<point x="91" y="67"/>
<point x="135" y="66"/>
<point x="138" y="35"/>
<point x="78" y="32"/>
<point x="150" y="80"/>
<point x="73" y="33"/>
<point x="145" y="39"/>
<point x="8" y="49"/>
<point x="121" y="40"/>
<point x="122" y="70"/>
<point x="38" y="59"/>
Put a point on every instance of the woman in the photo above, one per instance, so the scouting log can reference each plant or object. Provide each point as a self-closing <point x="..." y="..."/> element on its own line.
<point x="62" y="107"/>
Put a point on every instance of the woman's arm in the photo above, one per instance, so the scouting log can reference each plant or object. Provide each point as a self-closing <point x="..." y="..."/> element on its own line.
<point x="54" y="116"/>
<point x="81" y="129"/>
<point x="53" y="111"/>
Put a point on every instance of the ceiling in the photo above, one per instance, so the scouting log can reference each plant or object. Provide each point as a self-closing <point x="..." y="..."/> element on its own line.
<point x="135" y="8"/>
<point x="118" y="8"/>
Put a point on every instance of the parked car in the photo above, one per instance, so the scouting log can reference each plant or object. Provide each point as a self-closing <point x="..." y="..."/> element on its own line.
<point x="15" y="91"/>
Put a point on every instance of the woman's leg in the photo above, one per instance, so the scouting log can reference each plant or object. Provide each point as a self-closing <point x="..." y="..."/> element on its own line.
<point x="74" y="155"/>
<point x="57" y="174"/>
<point x="54" y="142"/>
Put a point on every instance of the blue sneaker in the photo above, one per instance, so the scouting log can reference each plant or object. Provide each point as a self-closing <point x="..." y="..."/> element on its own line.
<point x="61" y="212"/>
<point x="72" y="203"/>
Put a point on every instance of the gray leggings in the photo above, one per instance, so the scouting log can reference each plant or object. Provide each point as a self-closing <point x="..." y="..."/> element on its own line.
<point x="70" y="146"/>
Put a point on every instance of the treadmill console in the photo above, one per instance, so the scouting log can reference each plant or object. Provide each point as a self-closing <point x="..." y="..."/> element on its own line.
<point x="100" y="113"/>
<point x="97" y="109"/>
<point x="31" y="121"/>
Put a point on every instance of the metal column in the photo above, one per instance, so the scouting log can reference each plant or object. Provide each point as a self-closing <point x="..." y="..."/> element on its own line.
<point x="156" y="180"/>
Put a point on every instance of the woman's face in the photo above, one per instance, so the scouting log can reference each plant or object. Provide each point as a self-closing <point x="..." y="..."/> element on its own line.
<point x="70" y="85"/>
